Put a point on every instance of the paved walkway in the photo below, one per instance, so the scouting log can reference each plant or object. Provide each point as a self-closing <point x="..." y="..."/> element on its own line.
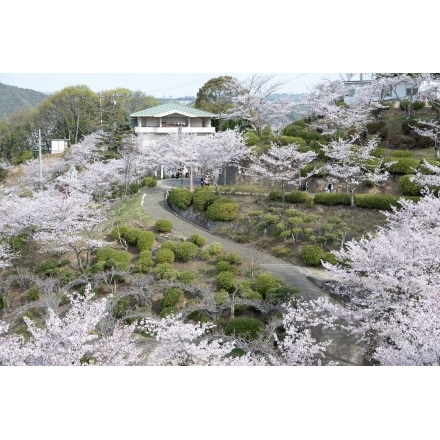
<point x="343" y="349"/>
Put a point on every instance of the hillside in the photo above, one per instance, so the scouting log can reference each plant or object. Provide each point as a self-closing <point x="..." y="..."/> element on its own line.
<point x="13" y="99"/>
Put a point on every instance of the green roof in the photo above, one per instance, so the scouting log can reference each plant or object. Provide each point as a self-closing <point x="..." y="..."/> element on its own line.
<point x="173" y="107"/>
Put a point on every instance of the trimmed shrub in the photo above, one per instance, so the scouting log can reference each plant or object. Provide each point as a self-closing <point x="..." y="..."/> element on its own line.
<point x="225" y="280"/>
<point x="231" y="257"/>
<point x="223" y="210"/>
<point x="118" y="232"/>
<point x="223" y="266"/>
<point x="281" y="294"/>
<point x="186" y="250"/>
<point x="186" y="277"/>
<point x="143" y="264"/>
<point x="402" y="165"/>
<point x="163" y="226"/>
<point x="332" y="198"/>
<point x="376" y="201"/>
<point x="221" y="297"/>
<point x="198" y="240"/>
<point x="118" y="259"/>
<point x="169" y="244"/>
<point x="203" y="197"/>
<point x="145" y="240"/>
<point x="378" y="152"/>
<point x="418" y="105"/>
<point x="311" y="255"/>
<point x="264" y="282"/>
<point x="248" y="328"/>
<point x="409" y="187"/>
<point x="297" y="197"/>
<point x="131" y="235"/>
<point x="164" y="271"/>
<point x="165" y="256"/>
<point x="149" y="182"/>
<point x="172" y="297"/>
<point x="215" y="248"/>
<point x="403" y="153"/>
<point x="180" y="198"/>
<point x="134" y="188"/>
<point x="276" y="195"/>
<point x="246" y="291"/>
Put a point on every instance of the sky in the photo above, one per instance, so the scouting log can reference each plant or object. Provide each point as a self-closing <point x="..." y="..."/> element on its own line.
<point x="159" y="85"/>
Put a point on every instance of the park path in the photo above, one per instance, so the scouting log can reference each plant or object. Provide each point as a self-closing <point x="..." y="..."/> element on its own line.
<point x="344" y="349"/>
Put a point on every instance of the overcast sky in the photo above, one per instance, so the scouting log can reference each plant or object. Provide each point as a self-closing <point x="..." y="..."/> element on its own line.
<point x="157" y="84"/>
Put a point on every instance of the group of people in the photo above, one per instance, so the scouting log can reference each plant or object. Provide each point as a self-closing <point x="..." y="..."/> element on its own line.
<point x="204" y="181"/>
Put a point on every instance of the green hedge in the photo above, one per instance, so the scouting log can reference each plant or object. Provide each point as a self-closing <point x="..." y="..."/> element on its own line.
<point x="332" y="198"/>
<point x="402" y="165"/>
<point x="145" y="240"/>
<point x="180" y="198"/>
<point x="223" y="210"/>
<point x="248" y="328"/>
<point x="203" y="197"/>
<point x="408" y="187"/>
<point x="297" y="197"/>
<point x="378" y="201"/>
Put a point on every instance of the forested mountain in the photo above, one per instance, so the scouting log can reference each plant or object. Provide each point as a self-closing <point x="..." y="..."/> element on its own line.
<point x="14" y="98"/>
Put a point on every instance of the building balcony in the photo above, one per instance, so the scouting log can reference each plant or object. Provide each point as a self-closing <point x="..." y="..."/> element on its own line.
<point x="168" y="130"/>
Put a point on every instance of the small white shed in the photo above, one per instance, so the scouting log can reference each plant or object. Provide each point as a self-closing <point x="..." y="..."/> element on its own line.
<point x="59" y="145"/>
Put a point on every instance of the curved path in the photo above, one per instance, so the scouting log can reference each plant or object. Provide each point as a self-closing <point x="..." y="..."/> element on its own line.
<point x="343" y="349"/>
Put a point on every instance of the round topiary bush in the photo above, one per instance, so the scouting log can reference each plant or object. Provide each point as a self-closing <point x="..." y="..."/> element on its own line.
<point x="186" y="250"/>
<point x="203" y="197"/>
<point x="131" y="235"/>
<point x="248" y="328"/>
<point x="149" y="182"/>
<point x="311" y="255"/>
<point x="145" y="240"/>
<point x="180" y="197"/>
<point x="165" y="256"/>
<point x="163" y="225"/>
<point x="408" y="187"/>
<point x="198" y="240"/>
<point x="223" y="211"/>
<point x="226" y="281"/>
<point x="264" y="282"/>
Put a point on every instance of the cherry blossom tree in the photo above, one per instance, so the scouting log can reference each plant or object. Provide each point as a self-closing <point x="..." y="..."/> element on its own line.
<point x="352" y="163"/>
<point x="430" y="129"/>
<point x="71" y="338"/>
<point x="390" y="281"/>
<point x="221" y="149"/>
<point x="283" y="165"/>
<point x="252" y="100"/>
<point x="176" y="151"/>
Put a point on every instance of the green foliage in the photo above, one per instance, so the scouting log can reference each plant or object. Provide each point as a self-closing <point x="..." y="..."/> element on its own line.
<point x="149" y="182"/>
<point x="215" y="248"/>
<point x="248" y="328"/>
<point x="33" y="293"/>
<point x="231" y="257"/>
<point x="331" y="258"/>
<point x="198" y="240"/>
<point x="120" y="308"/>
<point x="223" y="209"/>
<point x="225" y="280"/>
<point x="296" y="197"/>
<point x="408" y="187"/>
<point x="186" y="277"/>
<point x="221" y="297"/>
<point x="186" y="250"/>
<point x="180" y="198"/>
<point x="165" y="256"/>
<point x="376" y="201"/>
<point x="276" y="195"/>
<point x="168" y="311"/>
<point x="164" y="271"/>
<point x="203" y="197"/>
<point x="145" y="240"/>
<point x="251" y="138"/>
<point x="311" y="255"/>
<point x="118" y="232"/>
<point x="2" y="302"/>
<point x="378" y="152"/>
<point x="131" y="235"/>
<point x="264" y="282"/>
<point x="54" y="268"/>
<point x="332" y="198"/>
<point x="134" y="188"/>
<point x="163" y="226"/>
<point x="118" y="259"/>
<point x="401" y="165"/>
<point x="282" y="294"/>
<point x="226" y="266"/>
<point x="143" y="264"/>
<point x="172" y="297"/>
<point x="403" y="153"/>
<point x="245" y="291"/>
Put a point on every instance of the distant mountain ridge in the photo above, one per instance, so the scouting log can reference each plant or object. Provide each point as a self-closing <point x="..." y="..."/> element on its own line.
<point x="13" y="99"/>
